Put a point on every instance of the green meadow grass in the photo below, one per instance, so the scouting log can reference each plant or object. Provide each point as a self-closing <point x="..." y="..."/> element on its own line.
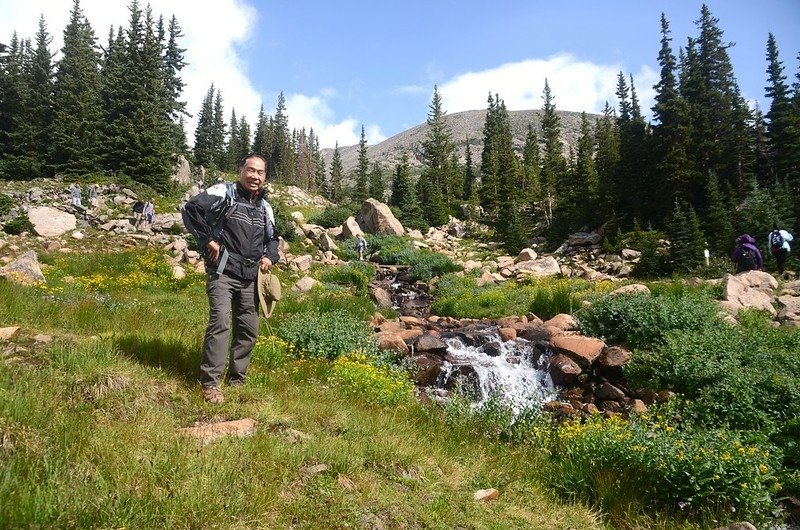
<point x="89" y="425"/>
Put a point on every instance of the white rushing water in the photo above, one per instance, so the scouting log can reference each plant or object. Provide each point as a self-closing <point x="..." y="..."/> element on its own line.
<point x="513" y="375"/>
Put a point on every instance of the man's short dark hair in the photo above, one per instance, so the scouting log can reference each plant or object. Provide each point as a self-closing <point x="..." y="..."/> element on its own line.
<point x="245" y="158"/>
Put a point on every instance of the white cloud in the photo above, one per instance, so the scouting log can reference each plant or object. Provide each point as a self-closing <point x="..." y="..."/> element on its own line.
<point x="212" y="31"/>
<point x="314" y="112"/>
<point x="575" y="85"/>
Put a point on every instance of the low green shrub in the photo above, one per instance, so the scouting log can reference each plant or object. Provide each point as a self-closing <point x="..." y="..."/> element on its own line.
<point x="326" y="335"/>
<point x="355" y="274"/>
<point x="331" y="216"/>
<point x="18" y="225"/>
<point x="744" y="377"/>
<point x="6" y="203"/>
<point x="423" y="264"/>
<point x="643" y="320"/>
<point x="717" y="474"/>
<point x="284" y="224"/>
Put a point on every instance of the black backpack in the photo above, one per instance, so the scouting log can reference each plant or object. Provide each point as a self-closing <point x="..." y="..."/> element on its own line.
<point x="775" y="241"/>
<point x="138" y="207"/>
<point x="747" y="259"/>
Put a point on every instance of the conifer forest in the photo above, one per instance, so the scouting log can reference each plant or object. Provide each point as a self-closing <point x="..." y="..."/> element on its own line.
<point x="707" y="167"/>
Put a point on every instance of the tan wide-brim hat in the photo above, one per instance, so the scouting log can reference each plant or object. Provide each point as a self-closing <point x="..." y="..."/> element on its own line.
<point x="269" y="292"/>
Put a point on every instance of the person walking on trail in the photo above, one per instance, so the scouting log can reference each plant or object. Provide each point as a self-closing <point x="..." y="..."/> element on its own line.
<point x="746" y="255"/>
<point x="148" y="212"/>
<point x="75" y="195"/>
<point x="235" y="229"/>
<point x="779" y="246"/>
<point x="361" y="246"/>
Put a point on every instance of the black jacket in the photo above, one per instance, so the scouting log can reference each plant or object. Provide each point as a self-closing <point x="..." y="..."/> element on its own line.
<point x="242" y="225"/>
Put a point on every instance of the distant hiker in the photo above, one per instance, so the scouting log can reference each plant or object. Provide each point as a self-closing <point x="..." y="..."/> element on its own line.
<point x="93" y="202"/>
<point x="149" y="211"/>
<point x="361" y="246"/>
<point x="75" y="195"/>
<point x="779" y="246"/>
<point x="138" y="212"/>
<point x="235" y="230"/>
<point x="746" y="256"/>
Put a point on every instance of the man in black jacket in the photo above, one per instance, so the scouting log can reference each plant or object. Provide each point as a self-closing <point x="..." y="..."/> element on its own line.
<point x="235" y="230"/>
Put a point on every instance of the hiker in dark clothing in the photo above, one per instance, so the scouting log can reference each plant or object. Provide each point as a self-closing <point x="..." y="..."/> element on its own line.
<point x="779" y="246"/>
<point x="746" y="256"/>
<point x="235" y="230"/>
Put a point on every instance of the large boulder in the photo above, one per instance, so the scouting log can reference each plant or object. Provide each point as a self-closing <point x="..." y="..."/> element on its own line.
<point x="25" y="270"/>
<point x="375" y="217"/>
<point x="51" y="222"/>
<point x="182" y="172"/>
<point x="547" y="266"/>
<point x="749" y="289"/>
<point x="350" y="228"/>
<point x="584" y="239"/>
<point x="582" y="350"/>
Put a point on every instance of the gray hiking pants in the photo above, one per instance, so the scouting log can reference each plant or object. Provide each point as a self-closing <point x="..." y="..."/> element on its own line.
<point x="228" y="295"/>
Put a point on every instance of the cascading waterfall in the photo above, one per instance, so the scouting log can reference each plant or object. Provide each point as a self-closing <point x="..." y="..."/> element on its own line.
<point x="516" y="374"/>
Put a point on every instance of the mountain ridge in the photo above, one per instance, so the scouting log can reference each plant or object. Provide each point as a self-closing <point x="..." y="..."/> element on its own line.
<point x="464" y="126"/>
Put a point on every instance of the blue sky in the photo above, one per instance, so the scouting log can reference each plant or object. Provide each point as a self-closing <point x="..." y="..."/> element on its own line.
<point x="345" y="63"/>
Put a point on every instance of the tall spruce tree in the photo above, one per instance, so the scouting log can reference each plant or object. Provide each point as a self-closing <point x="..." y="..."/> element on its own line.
<point x="720" y="136"/>
<point x="489" y="188"/>
<point x="361" y="186"/>
<point x="234" y="146"/>
<point x="376" y="187"/>
<point x="12" y="108"/>
<point x="404" y="197"/>
<point x="37" y="130"/>
<point x="218" y="153"/>
<point x="686" y="238"/>
<point x="470" y="185"/>
<point x="337" y="173"/>
<point x="510" y="225"/>
<point x="172" y="64"/>
<point x="782" y="133"/>
<point x="530" y="186"/>
<point x="436" y="181"/>
<point x="673" y="172"/>
<point x="554" y="165"/>
<point x="204" y="132"/>
<point x="606" y="161"/>
<point x="78" y="113"/>
<point x="281" y="155"/>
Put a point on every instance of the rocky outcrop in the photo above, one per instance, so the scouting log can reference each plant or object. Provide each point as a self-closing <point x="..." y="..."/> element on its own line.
<point x="24" y="270"/>
<point x="375" y="217"/>
<point x="752" y="289"/>
<point x="51" y="222"/>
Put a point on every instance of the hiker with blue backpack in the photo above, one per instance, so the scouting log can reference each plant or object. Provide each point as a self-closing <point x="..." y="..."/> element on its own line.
<point x="779" y="246"/>
<point x="746" y="255"/>
<point x="235" y="230"/>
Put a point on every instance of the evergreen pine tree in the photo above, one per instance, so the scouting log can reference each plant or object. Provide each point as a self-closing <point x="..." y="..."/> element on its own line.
<point x="554" y="166"/>
<point x="77" y="106"/>
<point x="686" y="238"/>
<point x="673" y="171"/>
<point x="531" y="167"/>
<point x="489" y="188"/>
<point x="12" y="109"/>
<point x="404" y="197"/>
<point x="282" y="157"/>
<point x="361" y="188"/>
<point x="172" y="64"/>
<point x="376" y="187"/>
<point x="234" y="146"/>
<point x="782" y="133"/>
<point x="36" y="133"/>
<point x="337" y="171"/>
<point x="470" y="186"/>
<point x="438" y="149"/>
<point x="606" y="161"/>
<point x="218" y="152"/>
<point x="203" y="134"/>
<point x="716" y="218"/>
<point x="245" y="147"/>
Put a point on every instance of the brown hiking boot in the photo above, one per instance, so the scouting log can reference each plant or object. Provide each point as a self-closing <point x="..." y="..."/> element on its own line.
<point x="212" y="393"/>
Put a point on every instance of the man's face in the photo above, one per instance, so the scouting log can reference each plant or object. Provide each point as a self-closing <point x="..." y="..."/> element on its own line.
<point x="251" y="176"/>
